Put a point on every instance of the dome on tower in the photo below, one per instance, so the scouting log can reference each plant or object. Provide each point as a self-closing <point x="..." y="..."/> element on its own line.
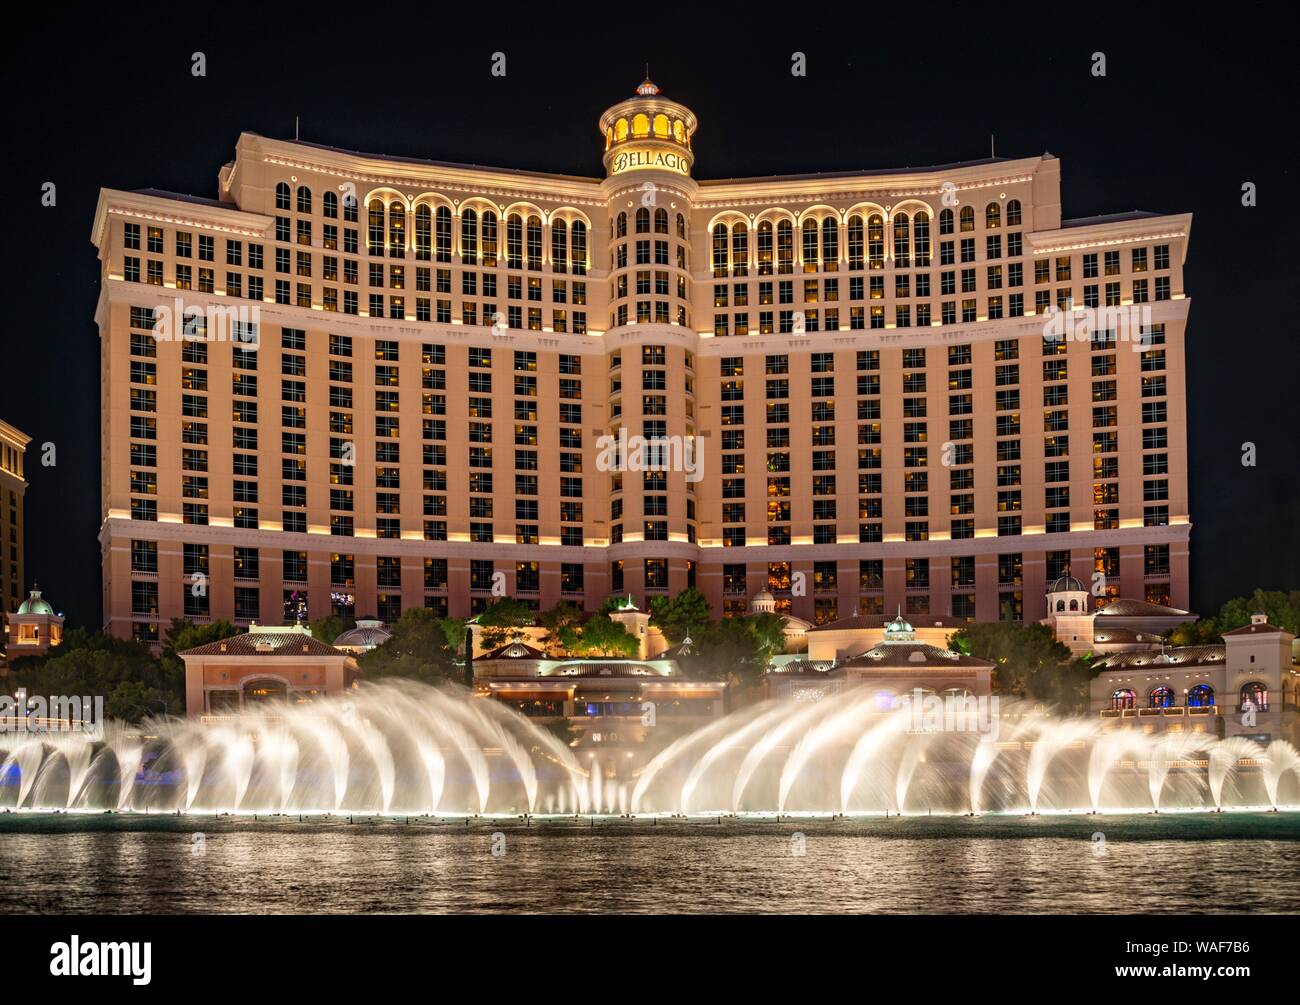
<point x="648" y="132"/>
<point x="899" y="630"/>
<point x="35" y="604"/>
<point x="1067" y="584"/>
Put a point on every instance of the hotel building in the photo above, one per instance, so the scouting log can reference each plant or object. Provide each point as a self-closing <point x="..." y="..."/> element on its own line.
<point x="399" y="388"/>
<point x="13" y="488"/>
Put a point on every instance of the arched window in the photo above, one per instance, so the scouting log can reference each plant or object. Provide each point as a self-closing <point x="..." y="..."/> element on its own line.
<point x="640" y="125"/>
<point x="810" y="245"/>
<point x="620" y="130"/>
<point x="1125" y="697"/>
<point x="661" y="221"/>
<point x="1161" y="697"/>
<point x="945" y="221"/>
<point x="621" y="229"/>
<point x="643" y="221"/>
<point x="902" y="250"/>
<point x="992" y="216"/>
<point x="830" y="244"/>
<point x="423" y="233"/>
<point x="578" y="247"/>
<point x="765" y="248"/>
<point x="855" y="242"/>
<point x="375" y="227"/>
<point x="330" y="205"/>
<point x="661" y="126"/>
<point x="396" y="230"/>
<point x="719" y="251"/>
<point x="442" y="234"/>
<point x="967" y="219"/>
<point x="489" y="225"/>
<point x="1013" y="213"/>
<point x="282" y="195"/>
<point x="921" y="239"/>
<point x="514" y="242"/>
<point x="1256" y="693"/>
<point x="262" y="691"/>
<point x="1201" y="696"/>
<point x="559" y="246"/>
<point x="875" y="241"/>
<point x="304" y="199"/>
<point x="535" y="243"/>
<point x="679" y="131"/>
<point x="1074" y="605"/>
<point x="681" y="227"/>
<point x="1060" y="605"/>
<point x="468" y="237"/>
<point x="785" y="247"/>
<point x="740" y="250"/>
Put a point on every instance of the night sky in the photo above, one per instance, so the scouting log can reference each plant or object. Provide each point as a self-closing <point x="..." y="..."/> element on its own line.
<point x="1192" y="106"/>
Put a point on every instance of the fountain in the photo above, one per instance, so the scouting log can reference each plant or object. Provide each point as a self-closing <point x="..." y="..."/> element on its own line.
<point x="393" y="747"/>
<point x="404" y="748"/>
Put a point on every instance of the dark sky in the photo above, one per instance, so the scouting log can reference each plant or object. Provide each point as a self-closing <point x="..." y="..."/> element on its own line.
<point x="1192" y="106"/>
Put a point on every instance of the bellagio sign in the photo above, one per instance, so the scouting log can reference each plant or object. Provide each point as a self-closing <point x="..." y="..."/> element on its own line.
<point x="650" y="159"/>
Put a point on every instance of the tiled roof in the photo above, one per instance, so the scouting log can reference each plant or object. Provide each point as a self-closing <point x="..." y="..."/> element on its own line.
<point x="256" y="643"/>
<point x="913" y="656"/>
<point x="513" y="651"/>
<point x="1207" y="655"/>
<point x="1123" y="608"/>
<point x="1261" y="629"/>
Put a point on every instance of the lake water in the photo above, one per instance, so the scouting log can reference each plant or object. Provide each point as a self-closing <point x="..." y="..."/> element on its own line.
<point x="120" y="864"/>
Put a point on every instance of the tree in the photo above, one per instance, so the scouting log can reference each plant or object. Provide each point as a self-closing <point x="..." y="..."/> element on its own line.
<point x="417" y="650"/>
<point x="502" y="622"/>
<point x="125" y="674"/>
<point x="769" y="629"/>
<point x="328" y="629"/>
<point x="563" y="624"/>
<point x="454" y="630"/>
<point x="1028" y="661"/>
<point x="601" y="636"/>
<point x="183" y="634"/>
<point x="1282" y="609"/>
<point x="683" y="615"/>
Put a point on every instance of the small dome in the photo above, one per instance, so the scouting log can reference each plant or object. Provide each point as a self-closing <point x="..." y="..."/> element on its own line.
<point x="647" y="88"/>
<point x="369" y="633"/>
<point x="34" y="604"/>
<point x="763" y="595"/>
<point x="1067" y="584"/>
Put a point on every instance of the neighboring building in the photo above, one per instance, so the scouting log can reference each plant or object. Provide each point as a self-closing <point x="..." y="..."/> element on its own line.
<point x="847" y="637"/>
<point x="848" y="371"/>
<point x="1119" y="626"/>
<point x="1246" y="686"/>
<point x="262" y="668"/>
<point x="894" y="667"/>
<point x="34" y="629"/>
<point x="13" y="487"/>
<point x="630" y="707"/>
<point x="368" y="633"/>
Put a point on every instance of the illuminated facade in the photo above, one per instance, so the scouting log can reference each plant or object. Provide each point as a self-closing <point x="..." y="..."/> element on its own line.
<point x="846" y="376"/>
<point x="13" y="488"/>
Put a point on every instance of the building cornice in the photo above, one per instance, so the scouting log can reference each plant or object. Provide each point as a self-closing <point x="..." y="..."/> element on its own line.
<point x="178" y="212"/>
